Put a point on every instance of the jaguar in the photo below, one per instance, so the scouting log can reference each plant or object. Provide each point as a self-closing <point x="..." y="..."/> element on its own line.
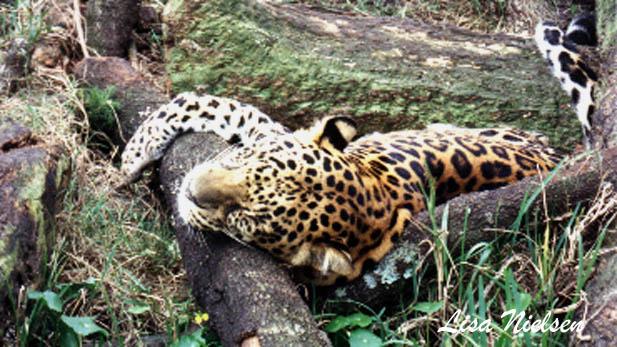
<point x="325" y="199"/>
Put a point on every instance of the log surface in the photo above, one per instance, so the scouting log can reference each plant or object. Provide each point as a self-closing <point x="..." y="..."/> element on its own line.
<point x="601" y="290"/>
<point x="297" y="63"/>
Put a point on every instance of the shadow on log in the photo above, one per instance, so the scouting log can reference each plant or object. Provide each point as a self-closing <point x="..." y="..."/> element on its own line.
<point x="247" y="293"/>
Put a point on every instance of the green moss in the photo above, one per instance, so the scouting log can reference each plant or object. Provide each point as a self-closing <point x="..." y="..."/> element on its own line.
<point x="607" y="23"/>
<point x="225" y="48"/>
<point x="100" y="108"/>
<point x="32" y="188"/>
<point x="7" y="260"/>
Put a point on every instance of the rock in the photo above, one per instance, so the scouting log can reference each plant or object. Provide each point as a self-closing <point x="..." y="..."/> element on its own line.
<point x="32" y="178"/>
<point x="13" y="65"/>
<point x="110" y="25"/>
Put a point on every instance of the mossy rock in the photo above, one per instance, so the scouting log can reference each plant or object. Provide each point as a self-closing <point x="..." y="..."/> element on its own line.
<point x="32" y="178"/>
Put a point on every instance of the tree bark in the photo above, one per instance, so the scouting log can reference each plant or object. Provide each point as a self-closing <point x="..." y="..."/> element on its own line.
<point x="605" y="118"/>
<point x="33" y="176"/>
<point x="246" y="292"/>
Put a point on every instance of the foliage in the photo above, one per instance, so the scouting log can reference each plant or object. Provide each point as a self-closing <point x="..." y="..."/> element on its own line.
<point x="100" y="107"/>
<point x="46" y="315"/>
<point x="22" y="19"/>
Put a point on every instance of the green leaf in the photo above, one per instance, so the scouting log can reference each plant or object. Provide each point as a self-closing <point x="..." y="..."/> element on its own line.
<point x="68" y="338"/>
<point x="193" y="340"/>
<point x="428" y="307"/>
<point x="337" y="324"/>
<point x="70" y="291"/>
<point x="352" y="321"/>
<point x="51" y="299"/>
<point x="525" y="301"/>
<point x="138" y="308"/>
<point x="359" y="320"/>
<point x="83" y="326"/>
<point x="364" y="338"/>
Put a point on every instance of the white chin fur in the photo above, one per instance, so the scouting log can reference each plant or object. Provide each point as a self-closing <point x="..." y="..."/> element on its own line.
<point x="184" y="204"/>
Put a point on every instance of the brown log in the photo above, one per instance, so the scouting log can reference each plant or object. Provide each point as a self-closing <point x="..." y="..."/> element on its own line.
<point x="32" y="178"/>
<point x="245" y="291"/>
<point x="132" y="91"/>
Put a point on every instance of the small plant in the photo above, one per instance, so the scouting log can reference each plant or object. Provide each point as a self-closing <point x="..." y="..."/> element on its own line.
<point x="25" y="19"/>
<point x="47" y="322"/>
<point x="200" y="337"/>
<point x="355" y="329"/>
<point x="101" y="108"/>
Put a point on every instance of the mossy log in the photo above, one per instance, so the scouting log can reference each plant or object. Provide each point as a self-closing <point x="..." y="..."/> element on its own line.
<point x="297" y="63"/>
<point x="248" y="295"/>
<point x="32" y="178"/>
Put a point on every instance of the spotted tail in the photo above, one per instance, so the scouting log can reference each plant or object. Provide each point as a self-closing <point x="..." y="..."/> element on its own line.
<point x="576" y="78"/>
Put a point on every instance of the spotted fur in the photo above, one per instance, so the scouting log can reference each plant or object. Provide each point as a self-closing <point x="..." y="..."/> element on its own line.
<point x="576" y="77"/>
<point x="230" y="119"/>
<point x="316" y="198"/>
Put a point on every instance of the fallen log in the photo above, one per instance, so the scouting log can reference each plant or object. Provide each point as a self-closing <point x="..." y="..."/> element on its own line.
<point x="248" y="295"/>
